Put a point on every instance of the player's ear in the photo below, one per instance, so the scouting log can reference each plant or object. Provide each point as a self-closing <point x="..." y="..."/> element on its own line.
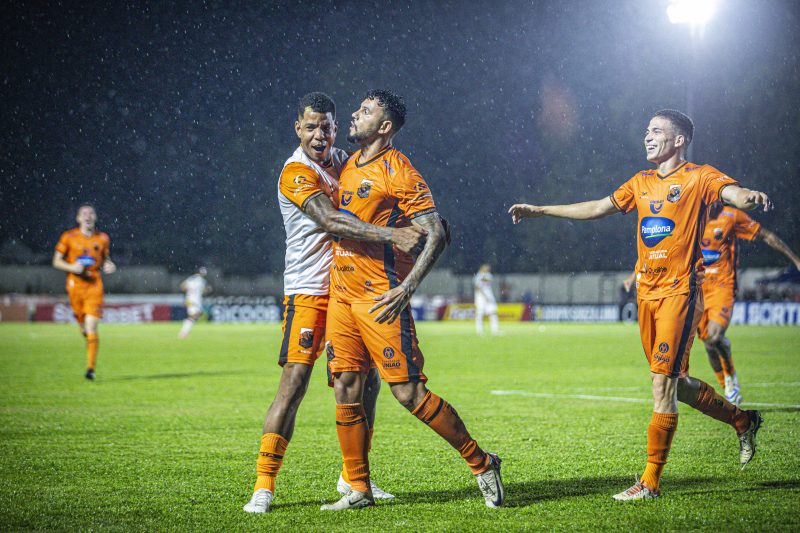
<point x="297" y="128"/>
<point x="385" y="127"/>
<point x="335" y="127"/>
<point x="680" y="140"/>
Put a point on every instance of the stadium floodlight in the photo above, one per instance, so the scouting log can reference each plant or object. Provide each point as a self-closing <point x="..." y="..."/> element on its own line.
<point x="693" y="12"/>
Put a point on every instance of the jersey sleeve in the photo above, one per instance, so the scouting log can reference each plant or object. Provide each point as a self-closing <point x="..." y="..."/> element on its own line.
<point x="624" y="198"/>
<point x="409" y="187"/>
<point x="299" y="184"/>
<point x="713" y="181"/>
<point x="63" y="243"/>
<point x="745" y="227"/>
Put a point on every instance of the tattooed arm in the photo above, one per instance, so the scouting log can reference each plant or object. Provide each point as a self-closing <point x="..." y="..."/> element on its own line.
<point x="396" y="299"/>
<point x="320" y="209"/>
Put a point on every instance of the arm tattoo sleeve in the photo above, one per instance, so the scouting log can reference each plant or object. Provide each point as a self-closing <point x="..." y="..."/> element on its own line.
<point x="434" y="246"/>
<point x="320" y="209"/>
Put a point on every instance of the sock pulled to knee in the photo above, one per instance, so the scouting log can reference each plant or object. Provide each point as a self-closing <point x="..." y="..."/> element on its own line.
<point x="92" y="344"/>
<point x="444" y="420"/>
<point x="659" y="441"/>
<point x="710" y="403"/>
<point x="270" y="459"/>
<point x="353" y="432"/>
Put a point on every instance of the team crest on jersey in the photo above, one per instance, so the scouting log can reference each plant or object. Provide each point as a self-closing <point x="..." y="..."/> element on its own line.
<point x="717" y="234"/>
<point x="674" y="193"/>
<point x="656" y="206"/>
<point x="364" y="189"/>
<point x="299" y="180"/>
<point x="306" y="337"/>
<point x="388" y="352"/>
<point x="346" y="198"/>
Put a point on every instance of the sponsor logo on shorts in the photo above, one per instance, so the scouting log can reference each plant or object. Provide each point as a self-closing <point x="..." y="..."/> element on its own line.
<point x="329" y="350"/>
<point x="674" y="193"/>
<point x="710" y="256"/>
<point x="656" y="254"/>
<point x="391" y="364"/>
<point x="663" y="347"/>
<point x="655" y="229"/>
<point x="364" y="189"/>
<point x="388" y="352"/>
<point x="656" y="206"/>
<point x="306" y="337"/>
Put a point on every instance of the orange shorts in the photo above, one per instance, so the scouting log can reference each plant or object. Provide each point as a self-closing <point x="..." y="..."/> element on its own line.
<point x="356" y="342"/>
<point x="668" y="326"/>
<point x="303" y="328"/>
<point x="718" y="298"/>
<point x="85" y="299"/>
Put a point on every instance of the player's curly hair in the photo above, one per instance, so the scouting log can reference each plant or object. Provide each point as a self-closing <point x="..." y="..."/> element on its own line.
<point x="682" y="123"/>
<point x="392" y="105"/>
<point x="317" y="101"/>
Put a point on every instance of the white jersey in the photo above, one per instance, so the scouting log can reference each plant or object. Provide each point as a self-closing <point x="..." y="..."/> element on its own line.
<point x="195" y="288"/>
<point x="483" y="289"/>
<point x="309" y="250"/>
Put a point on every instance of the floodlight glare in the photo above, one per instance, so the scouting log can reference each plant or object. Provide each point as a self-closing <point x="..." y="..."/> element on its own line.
<point x="694" y="12"/>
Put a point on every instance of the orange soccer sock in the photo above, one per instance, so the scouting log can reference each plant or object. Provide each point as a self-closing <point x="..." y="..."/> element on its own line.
<point x="721" y="378"/>
<point x="710" y="403"/>
<point x="270" y="459"/>
<point x="353" y="433"/>
<point x="444" y="420"/>
<point x="92" y="343"/>
<point x="659" y="440"/>
<point x="345" y="477"/>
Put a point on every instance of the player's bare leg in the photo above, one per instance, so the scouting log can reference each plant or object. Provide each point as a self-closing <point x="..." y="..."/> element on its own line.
<point x="720" y="345"/>
<point x="352" y="430"/>
<point x="372" y="387"/>
<point x="441" y="417"/>
<point x="278" y="430"/>
<point x="89" y="330"/>
<point x="188" y="324"/>
<point x="702" y="397"/>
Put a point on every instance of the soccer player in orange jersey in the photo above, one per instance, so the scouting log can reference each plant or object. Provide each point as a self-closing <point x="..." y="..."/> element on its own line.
<point x="720" y="256"/>
<point x="307" y="197"/>
<point x="379" y="185"/>
<point x="83" y="253"/>
<point x="671" y="201"/>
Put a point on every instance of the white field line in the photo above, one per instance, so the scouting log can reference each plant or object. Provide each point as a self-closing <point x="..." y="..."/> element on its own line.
<point x="614" y="398"/>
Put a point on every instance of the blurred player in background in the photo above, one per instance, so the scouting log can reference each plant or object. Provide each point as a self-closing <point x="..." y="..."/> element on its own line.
<point x="720" y="257"/>
<point x="379" y="185"/>
<point x="485" y="303"/>
<point x="83" y="253"/>
<point x="671" y="201"/>
<point x="195" y="287"/>
<point x="308" y="199"/>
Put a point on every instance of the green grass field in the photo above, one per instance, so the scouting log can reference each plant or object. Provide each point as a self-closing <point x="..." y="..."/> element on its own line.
<point x="167" y="437"/>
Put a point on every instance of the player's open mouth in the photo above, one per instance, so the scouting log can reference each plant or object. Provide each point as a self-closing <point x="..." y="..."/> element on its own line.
<point x="319" y="148"/>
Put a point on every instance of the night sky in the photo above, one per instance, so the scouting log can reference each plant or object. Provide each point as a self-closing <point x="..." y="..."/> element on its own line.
<point x="176" y="121"/>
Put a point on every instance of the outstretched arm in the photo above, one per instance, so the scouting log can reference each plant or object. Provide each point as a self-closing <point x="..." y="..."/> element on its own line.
<point x="745" y="198"/>
<point x="776" y="243"/>
<point x="580" y="211"/>
<point x="396" y="299"/>
<point x="320" y="209"/>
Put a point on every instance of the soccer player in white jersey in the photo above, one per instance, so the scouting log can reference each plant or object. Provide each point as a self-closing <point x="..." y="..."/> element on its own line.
<point x="308" y="198"/>
<point x="195" y="287"/>
<point x="485" y="303"/>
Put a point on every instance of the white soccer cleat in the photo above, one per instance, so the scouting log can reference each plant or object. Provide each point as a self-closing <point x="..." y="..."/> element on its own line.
<point x="732" y="393"/>
<point x="260" y="502"/>
<point x="637" y="492"/>
<point x="747" y="440"/>
<point x="352" y="500"/>
<point x="491" y="484"/>
<point x="343" y="487"/>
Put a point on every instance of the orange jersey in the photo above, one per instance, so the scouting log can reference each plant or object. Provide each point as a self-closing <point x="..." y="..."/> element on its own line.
<point x="719" y="244"/>
<point x="385" y="191"/>
<point x="672" y="213"/>
<point x="90" y="251"/>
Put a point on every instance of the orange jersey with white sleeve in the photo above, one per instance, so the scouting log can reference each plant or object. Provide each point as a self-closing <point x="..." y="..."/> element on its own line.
<point x="308" y="248"/>
<point x="385" y="191"/>
<point x="720" y="256"/>
<point x="672" y="212"/>
<point x="90" y="251"/>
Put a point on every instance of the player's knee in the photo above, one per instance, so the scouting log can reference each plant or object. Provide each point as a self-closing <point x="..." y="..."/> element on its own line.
<point x="410" y="394"/>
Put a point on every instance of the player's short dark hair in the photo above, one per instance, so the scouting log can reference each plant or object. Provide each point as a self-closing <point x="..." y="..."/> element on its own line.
<point x="680" y="121"/>
<point x="86" y="204"/>
<point x="392" y="105"/>
<point x="317" y="101"/>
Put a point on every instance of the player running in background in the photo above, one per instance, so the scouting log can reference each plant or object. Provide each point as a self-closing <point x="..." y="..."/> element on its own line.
<point x="379" y="185"/>
<point x="671" y="201"/>
<point x="83" y="253"/>
<point x="195" y="287"/>
<point x="307" y="195"/>
<point x="485" y="303"/>
<point x="720" y="256"/>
